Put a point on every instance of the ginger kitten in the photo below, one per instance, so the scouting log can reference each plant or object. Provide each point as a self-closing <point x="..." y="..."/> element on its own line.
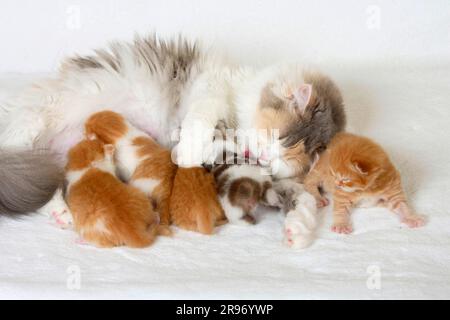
<point x="105" y="211"/>
<point x="141" y="161"/>
<point x="358" y="171"/>
<point x="194" y="204"/>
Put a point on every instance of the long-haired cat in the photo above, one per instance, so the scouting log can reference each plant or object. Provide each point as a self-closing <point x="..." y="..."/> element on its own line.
<point x="356" y="170"/>
<point x="105" y="211"/>
<point x="141" y="161"/>
<point x="194" y="204"/>
<point x="160" y="86"/>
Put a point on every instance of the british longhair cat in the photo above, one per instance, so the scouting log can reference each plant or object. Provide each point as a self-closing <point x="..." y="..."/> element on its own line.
<point x="357" y="171"/>
<point x="106" y="212"/>
<point x="161" y="86"/>
<point x="194" y="204"/>
<point x="140" y="160"/>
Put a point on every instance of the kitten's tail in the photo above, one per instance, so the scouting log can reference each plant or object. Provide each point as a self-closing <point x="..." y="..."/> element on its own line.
<point x="28" y="180"/>
<point x="142" y="238"/>
<point x="207" y="217"/>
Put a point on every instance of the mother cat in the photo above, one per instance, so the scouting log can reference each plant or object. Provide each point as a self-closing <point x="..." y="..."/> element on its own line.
<point x="161" y="86"/>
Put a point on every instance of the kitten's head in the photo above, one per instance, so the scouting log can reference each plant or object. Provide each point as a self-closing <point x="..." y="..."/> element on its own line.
<point x="355" y="175"/>
<point x="87" y="152"/>
<point x="108" y="126"/>
<point x="355" y="162"/>
<point x="307" y="109"/>
<point x="245" y="193"/>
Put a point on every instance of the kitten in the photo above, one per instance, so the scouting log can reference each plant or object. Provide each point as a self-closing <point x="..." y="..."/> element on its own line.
<point x="194" y="204"/>
<point x="356" y="170"/>
<point x="105" y="211"/>
<point x="141" y="161"/>
<point x="161" y="86"/>
<point x="241" y="187"/>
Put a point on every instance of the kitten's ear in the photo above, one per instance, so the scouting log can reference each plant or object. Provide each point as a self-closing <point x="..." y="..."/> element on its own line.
<point x="91" y="136"/>
<point x="302" y="97"/>
<point x="363" y="167"/>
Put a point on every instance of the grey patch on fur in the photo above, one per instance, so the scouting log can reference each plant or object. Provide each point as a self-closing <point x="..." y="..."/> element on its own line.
<point x="28" y="180"/>
<point x="270" y="100"/>
<point x="173" y="61"/>
<point x="322" y="119"/>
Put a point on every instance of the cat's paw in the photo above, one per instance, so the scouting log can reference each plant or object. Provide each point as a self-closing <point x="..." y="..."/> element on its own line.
<point x="322" y="202"/>
<point x="63" y="218"/>
<point x="109" y="149"/>
<point x="345" y="228"/>
<point x="414" y="221"/>
<point x="165" y="231"/>
<point x="295" y="240"/>
<point x="195" y="146"/>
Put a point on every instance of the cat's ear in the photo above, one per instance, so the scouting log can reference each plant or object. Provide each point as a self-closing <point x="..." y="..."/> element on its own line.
<point x="91" y="136"/>
<point x="302" y="97"/>
<point x="362" y="167"/>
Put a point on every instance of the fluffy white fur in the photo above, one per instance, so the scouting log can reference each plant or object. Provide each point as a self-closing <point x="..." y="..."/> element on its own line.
<point x="301" y="219"/>
<point x="300" y="223"/>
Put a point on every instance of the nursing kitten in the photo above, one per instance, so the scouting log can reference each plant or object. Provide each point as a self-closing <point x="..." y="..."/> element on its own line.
<point x="161" y="86"/>
<point x="141" y="161"/>
<point x="241" y="188"/>
<point x="356" y="170"/>
<point x="194" y="204"/>
<point x="105" y="211"/>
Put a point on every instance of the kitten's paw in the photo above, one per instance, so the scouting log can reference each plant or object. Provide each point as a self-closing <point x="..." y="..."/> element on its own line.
<point x="414" y="221"/>
<point x="63" y="218"/>
<point x="322" y="202"/>
<point x="109" y="149"/>
<point x="81" y="241"/>
<point x="344" y="228"/>
<point x="297" y="241"/>
<point x="165" y="231"/>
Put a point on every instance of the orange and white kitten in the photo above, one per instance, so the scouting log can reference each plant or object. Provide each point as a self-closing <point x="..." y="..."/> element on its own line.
<point x="141" y="161"/>
<point x="106" y="212"/>
<point x="194" y="204"/>
<point x="357" y="172"/>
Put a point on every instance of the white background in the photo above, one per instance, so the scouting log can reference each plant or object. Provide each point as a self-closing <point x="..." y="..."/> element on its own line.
<point x="35" y="35"/>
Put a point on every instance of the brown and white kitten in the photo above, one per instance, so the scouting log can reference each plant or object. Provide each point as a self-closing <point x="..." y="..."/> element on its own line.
<point x="241" y="188"/>
<point x="194" y="204"/>
<point x="141" y="161"/>
<point x="357" y="171"/>
<point x="105" y="211"/>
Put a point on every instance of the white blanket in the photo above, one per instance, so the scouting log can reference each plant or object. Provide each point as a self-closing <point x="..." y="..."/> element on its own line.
<point x="405" y="109"/>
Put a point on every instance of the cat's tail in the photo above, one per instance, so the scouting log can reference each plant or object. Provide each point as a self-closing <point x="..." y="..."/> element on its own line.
<point x="142" y="238"/>
<point x="210" y="216"/>
<point x="28" y="180"/>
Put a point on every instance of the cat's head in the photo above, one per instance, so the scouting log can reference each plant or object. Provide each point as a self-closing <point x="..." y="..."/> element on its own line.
<point x="245" y="193"/>
<point x="307" y="109"/>
<point x="87" y="152"/>
<point x="354" y="174"/>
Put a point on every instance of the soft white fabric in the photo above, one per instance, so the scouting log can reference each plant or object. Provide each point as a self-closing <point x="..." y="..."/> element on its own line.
<point x="406" y="109"/>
